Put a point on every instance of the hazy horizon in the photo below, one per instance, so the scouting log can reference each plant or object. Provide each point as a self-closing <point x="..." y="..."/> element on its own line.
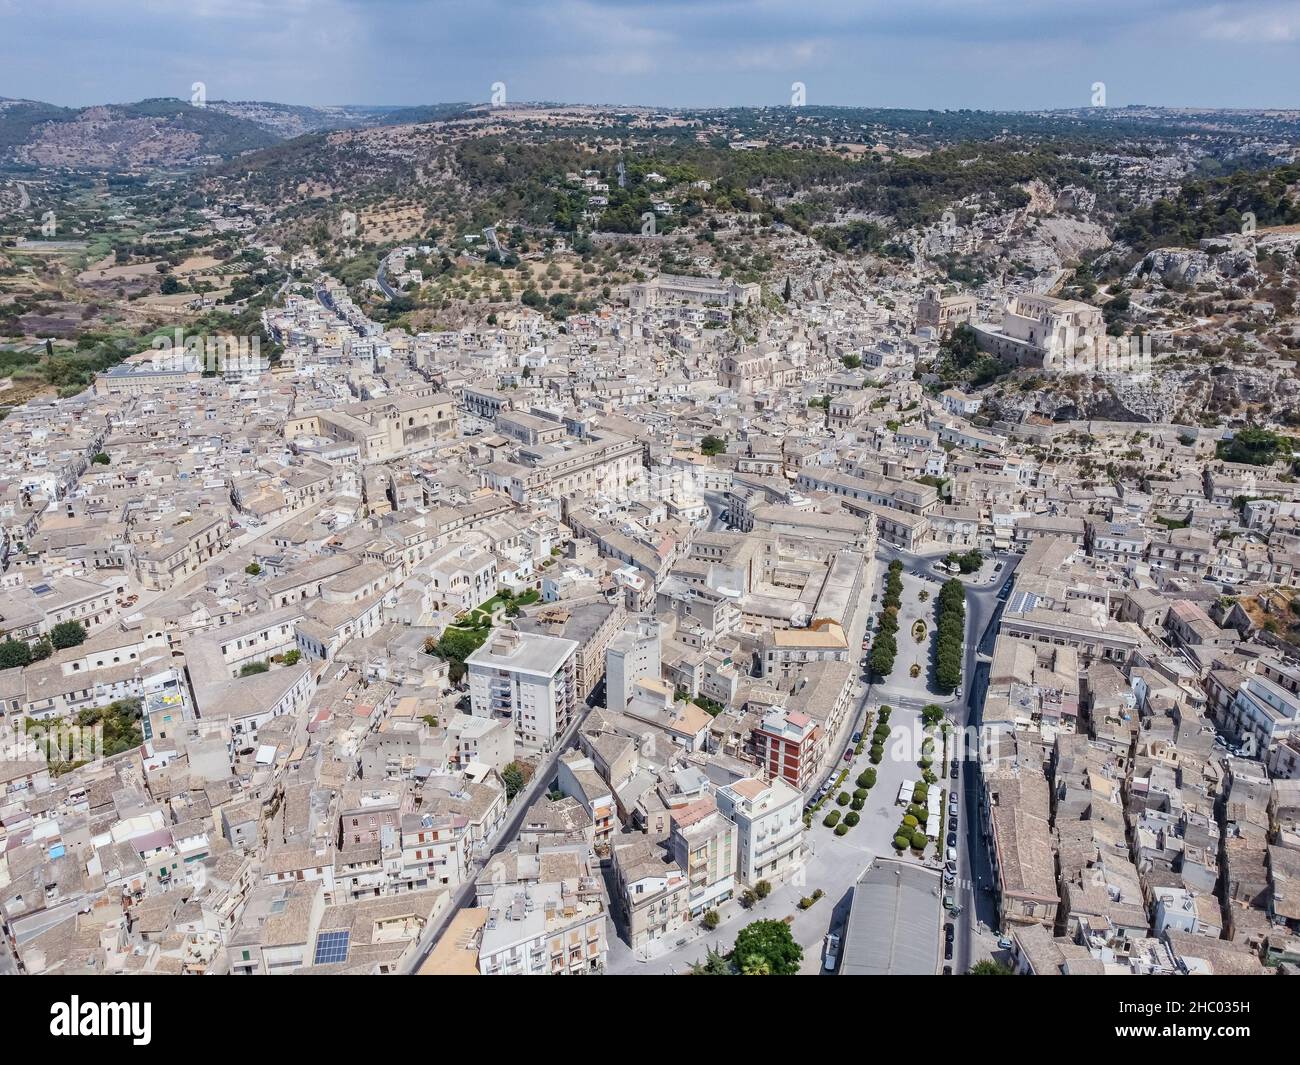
<point x="993" y="55"/>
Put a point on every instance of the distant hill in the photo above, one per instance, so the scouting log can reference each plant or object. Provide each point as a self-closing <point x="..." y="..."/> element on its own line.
<point x="144" y="135"/>
<point x="173" y="133"/>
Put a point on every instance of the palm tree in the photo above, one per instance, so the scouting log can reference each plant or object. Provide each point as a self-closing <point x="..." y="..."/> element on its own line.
<point x="988" y="967"/>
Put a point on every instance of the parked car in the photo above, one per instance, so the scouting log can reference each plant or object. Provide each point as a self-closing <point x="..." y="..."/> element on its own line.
<point x="952" y="840"/>
<point x="947" y="970"/>
<point x="947" y="950"/>
<point x="952" y="854"/>
<point x="952" y="823"/>
<point x="832" y="951"/>
<point x="857" y="737"/>
<point x="949" y="876"/>
<point x="997" y="568"/>
<point x="949" y="931"/>
<point x="1004" y="942"/>
<point x="848" y="755"/>
<point x="948" y="902"/>
<point x="954" y="772"/>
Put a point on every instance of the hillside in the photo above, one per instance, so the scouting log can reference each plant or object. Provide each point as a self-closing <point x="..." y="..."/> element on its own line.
<point x="122" y="137"/>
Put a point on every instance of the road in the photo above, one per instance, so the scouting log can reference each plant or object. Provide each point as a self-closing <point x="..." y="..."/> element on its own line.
<point x="834" y="863"/>
<point x="974" y="876"/>
<point x="974" y="865"/>
<point x="464" y="895"/>
<point x="382" y="281"/>
<point x="717" y="504"/>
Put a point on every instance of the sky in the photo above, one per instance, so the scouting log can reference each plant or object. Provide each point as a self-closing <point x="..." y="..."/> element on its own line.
<point x="983" y="54"/>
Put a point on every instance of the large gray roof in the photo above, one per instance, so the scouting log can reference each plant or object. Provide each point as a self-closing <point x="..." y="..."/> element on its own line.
<point x="893" y="927"/>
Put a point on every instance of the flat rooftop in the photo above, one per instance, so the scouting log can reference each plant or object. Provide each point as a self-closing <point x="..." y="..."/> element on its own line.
<point x="893" y="926"/>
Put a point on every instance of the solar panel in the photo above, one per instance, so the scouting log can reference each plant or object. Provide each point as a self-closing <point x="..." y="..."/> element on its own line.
<point x="332" y="947"/>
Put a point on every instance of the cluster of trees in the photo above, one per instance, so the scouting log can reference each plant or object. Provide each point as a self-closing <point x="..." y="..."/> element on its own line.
<point x="960" y="360"/>
<point x="951" y="635"/>
<point x="69" y="370"/>
<point x="878" y="738"/>
<point x="121" y="731"/>
<point x="515" y="603"/>
<point x="1211" y="208"/>
<point x="917" y="190"/>
<point x="456" y="644"/>
<point x="121" y="723"/>
<point x="751" y="897"/>
<point x="14" y="653"/>
<point x="968" y="562"/>
<point x="885" y="647"/>
<point x="762" y="948"/>
<point x="1255" y="446"/>
<point x="911" y="832"/>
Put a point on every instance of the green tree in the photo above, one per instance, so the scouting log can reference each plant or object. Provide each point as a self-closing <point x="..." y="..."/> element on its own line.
<point x="988" y="967"/>
<point x="252" y="569"/>
<point x="712" y="445"/>
<point x="457" y="644"/>
<point x="766" y="948"/>
<point x="100" y="459"/>
<point x="513" y="776"/>
<point x="14" y="653"/>
<point x="67" y="634"/>
<point x="292" y="658"/>
<point x="121" y="724"/>
<point x="715" y="963"/>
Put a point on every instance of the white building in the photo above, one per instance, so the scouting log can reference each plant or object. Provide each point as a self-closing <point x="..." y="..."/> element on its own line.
<point x="768" y="815"/>
<point x="955" y="401"/>
<point x="550" y="928"/>
<point x="528" y="678"/>
<point x="632" y="655"/>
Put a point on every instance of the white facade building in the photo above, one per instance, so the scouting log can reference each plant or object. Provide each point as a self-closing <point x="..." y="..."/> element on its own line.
<point x="631" y="656"/>
<point x="528" y="678"/>
<point x="768" y="815"/>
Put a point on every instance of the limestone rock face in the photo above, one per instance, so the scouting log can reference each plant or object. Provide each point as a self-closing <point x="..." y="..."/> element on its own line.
<point x="1173" y="266"/>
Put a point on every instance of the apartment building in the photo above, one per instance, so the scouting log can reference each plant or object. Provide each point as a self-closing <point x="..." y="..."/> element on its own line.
<point x="786" y="746"/>
<point x="768" y="815"/>
<point x="544" y="929"/>
<point x="703" y="841"/>
<point x="528" y="678"/>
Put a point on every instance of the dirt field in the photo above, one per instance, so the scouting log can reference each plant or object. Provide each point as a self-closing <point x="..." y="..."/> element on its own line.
<point x="99" y="274"/>
<point x="197" y="263"/>
<point x="383" y="225"/>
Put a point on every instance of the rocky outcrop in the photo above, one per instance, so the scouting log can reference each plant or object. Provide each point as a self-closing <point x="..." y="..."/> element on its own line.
<point x="1187" y="266"/>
